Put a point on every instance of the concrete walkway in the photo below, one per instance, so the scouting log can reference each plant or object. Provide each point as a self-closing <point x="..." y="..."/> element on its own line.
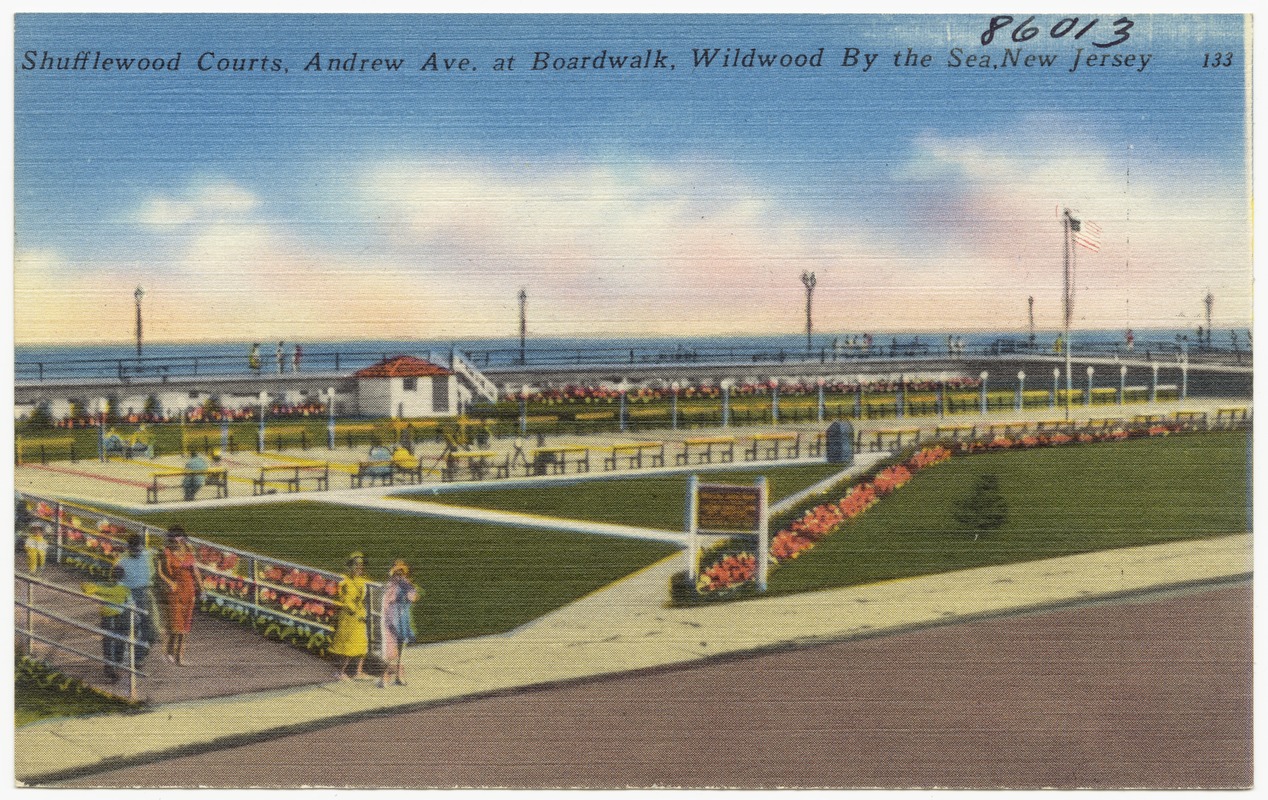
<point x="620" y="629"/>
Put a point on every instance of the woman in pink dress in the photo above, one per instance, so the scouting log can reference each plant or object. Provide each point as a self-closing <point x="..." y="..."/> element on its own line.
<point x="179" y="570"/>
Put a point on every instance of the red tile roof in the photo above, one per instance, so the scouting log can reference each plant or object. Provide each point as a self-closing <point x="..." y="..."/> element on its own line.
<point x="402" y="367"/>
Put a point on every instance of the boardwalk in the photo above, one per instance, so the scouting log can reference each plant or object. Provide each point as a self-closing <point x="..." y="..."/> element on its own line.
<point x="224" y="658"/>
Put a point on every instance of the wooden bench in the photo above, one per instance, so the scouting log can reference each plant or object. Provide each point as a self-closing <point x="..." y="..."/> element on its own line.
<point x="384" y="472"/>
<point x="477" y="462"/>
<point x="1104" y="424"/>
<point x="1231" y="417"/>
<point x="217" y="479"/>
<point x="703" y="447"/>
<point x="1192" y="420"/>
<point x="1006" y="428"/>
<point x="896" y="435"/>
<point x="1148" y="419"/>
<point x="772" y="442"/>
<point x="634" y="452"/>
<point x="556" y="459"/>
<point x="954" y="432"/>
<point x="1055" y="426"/>
<point x="291" y="477"/>
<point x="815" y="448"/>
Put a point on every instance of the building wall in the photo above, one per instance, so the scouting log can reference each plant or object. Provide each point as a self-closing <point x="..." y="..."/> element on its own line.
<point x="387" y="397"/>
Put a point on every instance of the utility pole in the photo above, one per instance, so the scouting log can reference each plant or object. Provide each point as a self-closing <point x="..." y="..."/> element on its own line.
<point x="523" y="321"/>
<point x="808" y="280"/>
<point x="138" y="294"/>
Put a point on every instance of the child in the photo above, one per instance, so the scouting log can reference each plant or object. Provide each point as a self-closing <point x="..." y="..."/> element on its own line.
<point x="36" y="548"/>
<point x="113" y="618"/>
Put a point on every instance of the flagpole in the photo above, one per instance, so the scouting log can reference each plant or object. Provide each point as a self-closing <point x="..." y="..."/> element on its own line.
<point x="1068" y="266"/>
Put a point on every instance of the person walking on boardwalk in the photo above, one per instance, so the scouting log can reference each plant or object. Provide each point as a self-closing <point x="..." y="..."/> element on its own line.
<point x="295" y="357"/>
<point x="281" y="358"/>
<point x="36" y="547"/>
<point x="138" y="576"/>
<point x="179" y="570"/>
<point x="351" y="640"/>
<point x="399" y="597"/>
<point x="253" y="358"/>
<point x="117" y="600"/>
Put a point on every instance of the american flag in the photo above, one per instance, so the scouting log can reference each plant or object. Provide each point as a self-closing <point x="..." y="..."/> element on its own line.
<point x="1086" y="234"/>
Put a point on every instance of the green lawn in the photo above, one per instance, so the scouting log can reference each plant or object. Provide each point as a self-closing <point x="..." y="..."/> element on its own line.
<point x="649" y="502"/>
<point x="1061" y="501"/>
<point x="478" y="579"/>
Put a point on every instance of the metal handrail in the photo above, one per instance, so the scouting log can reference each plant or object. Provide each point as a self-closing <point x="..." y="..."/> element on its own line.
<point x="130" y="641"/>
<point x="254" y="569"/>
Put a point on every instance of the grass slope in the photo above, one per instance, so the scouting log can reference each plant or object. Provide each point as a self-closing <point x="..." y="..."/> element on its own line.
<point x="649" y="502"/>
<point x="1061" y="501"/>
<point x="478" y="579"/>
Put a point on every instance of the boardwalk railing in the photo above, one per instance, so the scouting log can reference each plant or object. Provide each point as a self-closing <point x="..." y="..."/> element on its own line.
<point x="127" y="369"/>
<point x="26" y="633"/>
<point x="235" y="583"/>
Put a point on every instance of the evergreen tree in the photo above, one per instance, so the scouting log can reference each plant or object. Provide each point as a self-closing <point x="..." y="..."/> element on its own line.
<point x="984" y="508"/>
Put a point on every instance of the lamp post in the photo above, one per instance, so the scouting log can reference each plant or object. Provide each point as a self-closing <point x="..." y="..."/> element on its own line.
<point x="901" y="405"/>
<point x="523" y="322"/>
<point x="808" y="280"/>
<point x="725" y="385"/>
<point x="1088" y="399"/>
<point x="623" y="388"/>
<point x="673" y="403"/>
<point x="1153" y="387"/>
<point x="820" y="383"/>
<point x="1056" y="378"/>
<point x="100" y="413"/>
<point x="1122" y="385"/>
<point x="1021" y="388"/>
<point x="1184" y="377"/>
<point x="524" y="410"/>
<point x="858" y="400"/>
<point x="983" y="375"/>
<point x="942" y="394"/>
<point x="138" y="294"/>
<point x="259" y="439"/>
<point x="330" y="424"/>
<point x="774" y="401"/>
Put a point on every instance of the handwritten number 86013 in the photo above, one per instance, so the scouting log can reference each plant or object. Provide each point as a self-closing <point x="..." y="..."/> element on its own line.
<point x="1025" y="31"/>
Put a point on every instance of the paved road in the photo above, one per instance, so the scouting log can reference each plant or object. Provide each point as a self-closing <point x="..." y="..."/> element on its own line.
<point x="1152" y="692"/>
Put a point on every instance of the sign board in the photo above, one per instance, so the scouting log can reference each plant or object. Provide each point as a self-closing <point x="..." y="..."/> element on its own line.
<point x="723" y="507"/>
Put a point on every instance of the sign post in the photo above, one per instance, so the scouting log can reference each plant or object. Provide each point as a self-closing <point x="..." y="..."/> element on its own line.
<point x="728" y="510"/>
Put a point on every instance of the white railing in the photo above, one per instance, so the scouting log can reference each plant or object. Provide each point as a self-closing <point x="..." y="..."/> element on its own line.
<point x="484" y="387"/>
<point x="258" y="585"/>
<point x="26" y="634"/>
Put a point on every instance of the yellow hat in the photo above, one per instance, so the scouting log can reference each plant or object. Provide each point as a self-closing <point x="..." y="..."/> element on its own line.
<point x="399" y="567"/>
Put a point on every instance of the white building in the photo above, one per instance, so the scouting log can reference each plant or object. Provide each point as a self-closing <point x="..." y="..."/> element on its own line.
<point x="406" y="387"/>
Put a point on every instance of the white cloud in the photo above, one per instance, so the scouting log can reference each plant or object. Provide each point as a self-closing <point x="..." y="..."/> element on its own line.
<point x="438" y="249"/>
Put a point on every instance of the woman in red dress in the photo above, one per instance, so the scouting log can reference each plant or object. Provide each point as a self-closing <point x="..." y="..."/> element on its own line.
<point x="179" y="571"/>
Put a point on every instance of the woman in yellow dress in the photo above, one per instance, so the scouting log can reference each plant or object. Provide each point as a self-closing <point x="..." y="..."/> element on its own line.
<point x="351" y="639"/>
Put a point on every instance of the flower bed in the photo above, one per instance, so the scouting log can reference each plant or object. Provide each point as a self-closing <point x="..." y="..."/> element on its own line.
<point x="729" y="570"/>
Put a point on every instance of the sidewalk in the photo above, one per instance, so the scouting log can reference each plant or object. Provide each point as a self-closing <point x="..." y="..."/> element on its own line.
<point x="623" y="628"/>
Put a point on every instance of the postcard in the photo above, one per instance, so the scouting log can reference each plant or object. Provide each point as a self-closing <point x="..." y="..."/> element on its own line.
<point x="606" y="401"/>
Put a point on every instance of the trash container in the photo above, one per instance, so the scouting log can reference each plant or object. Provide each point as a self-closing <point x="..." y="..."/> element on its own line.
<point x="840" y="443"/>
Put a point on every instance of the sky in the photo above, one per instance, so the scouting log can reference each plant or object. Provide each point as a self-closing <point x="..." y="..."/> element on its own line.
<point x="306" y="205"/>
